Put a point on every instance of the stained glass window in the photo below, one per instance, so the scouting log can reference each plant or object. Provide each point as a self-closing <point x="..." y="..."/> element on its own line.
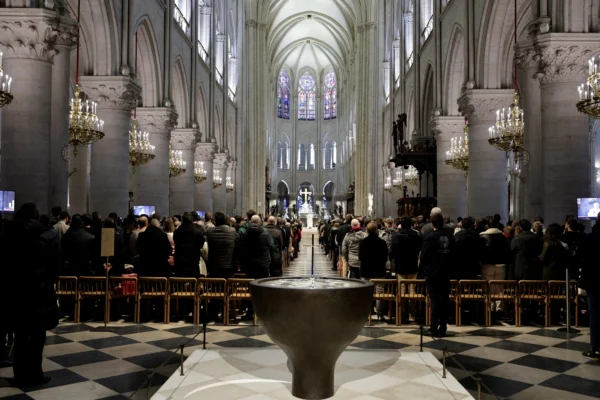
<point x="283" y="95"/>
<point x="307" y="98"/>
<point x="330" y="97"/>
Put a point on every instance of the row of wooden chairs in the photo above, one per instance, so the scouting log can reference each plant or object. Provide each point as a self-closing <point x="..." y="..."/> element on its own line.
<point x="486" y="292"/>
<point x="230" y="291"/>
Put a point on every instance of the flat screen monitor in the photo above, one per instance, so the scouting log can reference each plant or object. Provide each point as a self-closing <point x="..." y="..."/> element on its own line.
<point x="7" y="201"/>
<point x="588" y="208"/>
<point x="202" y="214"/>
<point x="148" y="210"/>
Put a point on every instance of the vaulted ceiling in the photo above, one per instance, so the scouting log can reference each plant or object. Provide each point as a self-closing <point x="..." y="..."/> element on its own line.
<point x="311" y="34"/>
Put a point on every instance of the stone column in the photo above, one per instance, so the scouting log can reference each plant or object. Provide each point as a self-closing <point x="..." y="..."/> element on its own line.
<point x="109" y="181"/>
<point x="205" y="152"/>
<point x="563" y="66"/>
<point x="79" y="180"/>
<point x="488" y="175"/>
<point x="451" y="182"/>
<point x="182" y="186"/>
<point x="151" y="181"/>
<point x="219" y="194"/>
<point x="231" y="195"/>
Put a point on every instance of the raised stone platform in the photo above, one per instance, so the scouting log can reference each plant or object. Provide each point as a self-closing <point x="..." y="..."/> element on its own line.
<point x="262" y="374"/>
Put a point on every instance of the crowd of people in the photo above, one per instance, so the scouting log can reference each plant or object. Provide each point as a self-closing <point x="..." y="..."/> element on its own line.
<point x="439" y="250"/>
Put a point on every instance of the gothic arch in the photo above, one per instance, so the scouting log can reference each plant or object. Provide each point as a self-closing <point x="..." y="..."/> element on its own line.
<point x="148" y="63"/>
<point x="454" y="71"/>
<point x="202" y="116"/>
<point x="427" y="106"/>
<point x="219" y="127"/>
<point x="180" y="93"/>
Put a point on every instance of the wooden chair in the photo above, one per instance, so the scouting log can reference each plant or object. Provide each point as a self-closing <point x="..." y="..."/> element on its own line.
<point x="453" y="297"/>
<point x="384" y="290"/>
<point x="473" y="290"/>
<point x="504" y="291"/>
<point x="557" y="290"/>
<point x="413" y="290"/>
<point x="123" y="288"/>
<point x="238" y="290"/>
<point x="66" y="286"/>
<point x="182" y="288"/>
<point x="90" y="287"/>
<point x="533" y="291"/>
<point x="212" y="289"/>
<point x="152" y="289"/>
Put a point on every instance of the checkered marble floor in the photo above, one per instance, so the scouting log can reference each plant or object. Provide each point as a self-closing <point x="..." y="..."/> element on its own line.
<point x="302" y="265"/>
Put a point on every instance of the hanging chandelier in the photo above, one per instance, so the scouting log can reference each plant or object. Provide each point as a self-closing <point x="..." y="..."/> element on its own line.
<point x="5" y="83"/>
<point x="589" y="92"/>
<point x="140" y="149"/>
<point x="217" y="180"/>
<point x="84" y="125"/>
<point x="228" y="185"/>
<point x="508" y="133"/>
<point x="387" y="186"/>
<point x="176" y="163"/>
<point x="411" y="175"/>
<point x="458" y="155"/>
<point x="200" y="174"/>
<point x="397" y="181"/>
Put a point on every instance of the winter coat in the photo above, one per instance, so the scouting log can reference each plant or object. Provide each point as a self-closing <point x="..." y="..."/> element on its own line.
<point x="496" y="248"/>
<point x="470" y="249"/>
<point x="221" y="242"/>
<point x="77" y="247"/>
<point x="555" y="258"/>
<point x="154" y="249"/>
<point x="526" y="249"/>
<point x="341" y="233"/>
<point x="436" y="257"/>
<point x="255" y="250"/>
<point x="372" y="253"/>
<point x="188" y="241"/>
<point x="406" y="245"/>
<point x="350" y="247"/>
<point x="277" y="237"/>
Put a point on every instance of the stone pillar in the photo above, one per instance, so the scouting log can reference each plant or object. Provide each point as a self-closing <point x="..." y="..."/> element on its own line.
<point x="231" y="195"/>
<point x="79" y="180"/>
<point x="488" y="175"/>
<point x="566" y="174"/>
<point x="219" y="194"/>
<point x="109" y="181"/>
<point x="182" y="186"/>
<point x="151" y="181"/>
<point x="205" y="152"/>
<point x="27" y="42"/>
<point x="451" y="182"/>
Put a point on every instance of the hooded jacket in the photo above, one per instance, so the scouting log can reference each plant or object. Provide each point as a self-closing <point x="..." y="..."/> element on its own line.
<point x="255" y="251"/>
<point x="350" y="247"/>
<point x="221" y="242"/>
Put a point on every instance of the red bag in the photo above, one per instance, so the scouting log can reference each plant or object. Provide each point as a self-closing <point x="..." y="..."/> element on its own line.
<point x="128" y="287"/>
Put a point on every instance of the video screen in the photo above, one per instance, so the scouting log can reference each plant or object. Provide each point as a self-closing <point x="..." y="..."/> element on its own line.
<point x="588" y="208"/>
<point x="7" y="201"/>
<point x="140" y="210"/>
<point x="202" y="214"/>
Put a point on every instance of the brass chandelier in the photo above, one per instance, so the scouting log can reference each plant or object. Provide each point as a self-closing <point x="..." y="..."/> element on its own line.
<point x="140" y="149"/>
<point x="458" y="155"/>
<point x="176" y="163"/>
<point x="200" y="174"/>
<point x="217" y="180"/>
<point x="84" y="125"/>
<point x="589" y="92"/>
<point x="5" y="83"/>
<point x="228" y="185"/>
<point x="387" y="186"/>
<point x="397" y="180"/>
<point x="411" y="175"/>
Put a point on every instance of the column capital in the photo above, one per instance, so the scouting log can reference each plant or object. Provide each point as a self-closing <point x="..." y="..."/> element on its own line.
<point x="396" y="44"/>
<point x="445" y="128"/>
<point x="480" y="105"/>
<point x="184" y="139"/>
<point x="205" y="10"/>
<point x="157" y="120"/>
<point x="221" y="160"/>
<point x="220" y="38"/>
<point x="251" y="23"/>
<point x="233" y="61"/>
<point x="205" y="151"/>
<point x="526" y="56"/>
<point x="563" y="57"/>
<point x="112" y="92"/>
<point x="34" y="32"/>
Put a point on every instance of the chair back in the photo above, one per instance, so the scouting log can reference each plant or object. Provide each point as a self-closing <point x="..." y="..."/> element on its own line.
<point x="533" y="290"/>
<point x="66" y="286"/>
<point x="453" y="290"/>
<point x="121" y="286"/>
<point x="384" y="289"/>
<point x="182" y="287"/>
<point x="214" y="288"/>
<point x="473" y="289"/>
<point x="504" y="290"/>
<point x="412" y="289"/>
<point x="152" y="287"/>
<point x="557" y="290"/>
<point x="238" y="288"/>
<point x="91" y="286"/>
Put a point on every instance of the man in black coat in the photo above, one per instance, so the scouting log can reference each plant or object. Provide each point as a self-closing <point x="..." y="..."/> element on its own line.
<point x="469" y="249"/>
<point x="77" y="247"/>
<point x="221" y="248"/>
<point x="344" y="229"/>
<point x="372" y="254"/>
<point x="436" y="260"/>
<point x="406" y="245"/>
<point x="255" y="250"/>
<point x="277" y="237"/>
<point x="154" y="248"/>
<point x="188" y="241"/>
<point x="526" y="249"/>
<point x="33" y="258"/>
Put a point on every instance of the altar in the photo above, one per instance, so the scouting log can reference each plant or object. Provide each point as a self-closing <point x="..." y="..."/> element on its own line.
<point x="306" y="213"/>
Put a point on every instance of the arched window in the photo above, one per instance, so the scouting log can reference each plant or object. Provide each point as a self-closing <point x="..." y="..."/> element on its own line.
<point x="283" y="155"/>
<point x="301" y="158"/>
<point x="306" y="97"/>
<point x="330" y="96"/>
<point x="329" y="155"/>
<point x="283" y="95"/>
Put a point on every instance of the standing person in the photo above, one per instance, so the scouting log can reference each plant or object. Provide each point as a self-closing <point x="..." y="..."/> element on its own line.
<point x="221" y="240"/>
<point x="333" y="247"/>
<point x="30" y="313"/>
<point x="188" y="244"/>
<point x="77" y="247"/>
<point x="154" y="249"/>
<point x="469" y="252"/>
<point x="208" y="221"/>
<point x="425" y="229"/>
<point x="255" y="250"/>
<point x="372" y="254"/>
<point x="555" y="255"/>
<point x="142" y="223"/>
<point x="496" y="253"/>
<point x="277" y="237"/>
<point x="350" y="248"/>
<point x="436" y="261"/>
<point x="63" y="224"/>
<point x="526" y="249"/>
<point x="406" y="245"/>
<point x="589" y="281"/>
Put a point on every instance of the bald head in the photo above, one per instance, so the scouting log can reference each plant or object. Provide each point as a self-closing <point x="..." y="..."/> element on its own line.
<point x="255" y="219"/>
<point x="272" y="221"/>
<point x="354" y="223"/>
